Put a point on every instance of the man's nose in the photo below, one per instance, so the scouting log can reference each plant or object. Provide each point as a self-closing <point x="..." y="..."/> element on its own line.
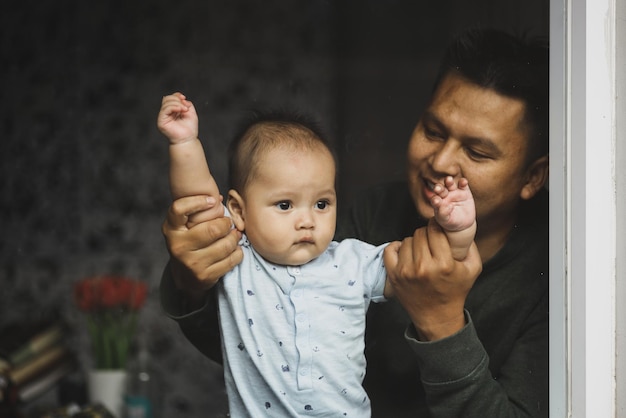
<point x="445" y="160"/>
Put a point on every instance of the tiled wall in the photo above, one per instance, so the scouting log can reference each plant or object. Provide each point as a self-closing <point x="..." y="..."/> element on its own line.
<point x="83" y="174"/>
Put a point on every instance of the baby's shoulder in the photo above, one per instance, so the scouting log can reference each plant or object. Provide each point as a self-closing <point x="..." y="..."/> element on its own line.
<point x="352" y="244"/>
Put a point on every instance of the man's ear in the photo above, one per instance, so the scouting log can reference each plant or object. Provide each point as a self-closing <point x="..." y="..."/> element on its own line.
<point x="536" y="177"/>
<point x="236" y="207"/>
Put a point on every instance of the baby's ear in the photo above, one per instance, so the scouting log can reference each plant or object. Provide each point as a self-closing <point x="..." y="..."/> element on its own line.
<point x="236" y="207"/>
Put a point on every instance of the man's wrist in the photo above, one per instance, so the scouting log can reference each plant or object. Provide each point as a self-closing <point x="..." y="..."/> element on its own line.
<point x="193" y="301"/>
<point x="175" y="303"/>
<point x="450" y="359"/>
<point x="438" y="329"/>
<point x="191" y="298"/>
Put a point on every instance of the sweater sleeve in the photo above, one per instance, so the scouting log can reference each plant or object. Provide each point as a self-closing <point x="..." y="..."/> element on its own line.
<point x="199" y="326"/>
<point x="457" y="381"/>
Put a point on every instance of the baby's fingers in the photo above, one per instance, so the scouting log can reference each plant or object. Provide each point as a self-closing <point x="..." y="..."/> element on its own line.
<point x="173" y="107"/>
<point x="441" y="191"/>
<point x="450" y="183"/>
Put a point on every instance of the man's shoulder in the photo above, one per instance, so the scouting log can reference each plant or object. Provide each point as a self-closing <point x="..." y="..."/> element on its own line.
<point x="381" y="213"/>
<point x="520" y="269"/>
<point x="389" y="191"/>
<point x="535" y="210"/>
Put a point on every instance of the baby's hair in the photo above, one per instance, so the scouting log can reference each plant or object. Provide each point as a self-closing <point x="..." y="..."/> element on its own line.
<point x="268" y="130"/>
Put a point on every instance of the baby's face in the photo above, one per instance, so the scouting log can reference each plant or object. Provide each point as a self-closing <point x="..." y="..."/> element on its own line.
<point x="290" y="209"/>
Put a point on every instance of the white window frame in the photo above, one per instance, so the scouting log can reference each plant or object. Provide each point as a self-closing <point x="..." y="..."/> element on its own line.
<point x="586" y="194"/>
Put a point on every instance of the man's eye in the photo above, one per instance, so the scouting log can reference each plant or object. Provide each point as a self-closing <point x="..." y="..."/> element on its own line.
<point x="475" y="155"/>
<point x="322" y="204"/>
<point x="283" y="205"/>
<point x="433" y="134"/>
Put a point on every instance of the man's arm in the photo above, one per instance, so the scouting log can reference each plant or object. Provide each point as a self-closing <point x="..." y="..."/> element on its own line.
<point x="197" y="318"/>
<point x="458" y="382"/>
<point x="454" y="365"/>
<point x="429" y="283"/>
<point x="199" y="256"/>
<point x="469" y="373"/>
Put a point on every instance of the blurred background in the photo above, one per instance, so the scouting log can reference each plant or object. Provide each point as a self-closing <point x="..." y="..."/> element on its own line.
<point x="83" y="169"/>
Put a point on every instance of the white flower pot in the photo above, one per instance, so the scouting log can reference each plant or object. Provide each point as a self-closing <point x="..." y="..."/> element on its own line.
<point x="107" y="388"/>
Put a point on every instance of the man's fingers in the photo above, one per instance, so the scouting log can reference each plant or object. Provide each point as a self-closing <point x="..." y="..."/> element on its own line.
<point x="181" y="209"/>
<point x="217" y="211"/>
<point x="206" y="276"/>
<point x="402" y="258"/>
<point x="215" y="235"/>
<point x="390" y="255"/>
<point x="438" y="245"/>
<point x="218" y="269"/>
<point x="201" y="262"/>
<point x="215" y="230"/>
<point x="416" y="254"/>
<point x="472" y="261"/>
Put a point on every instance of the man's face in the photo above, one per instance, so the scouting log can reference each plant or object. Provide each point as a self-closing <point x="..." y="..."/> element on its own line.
<point x="472" y="132"/>
<point x="290" y="207"/>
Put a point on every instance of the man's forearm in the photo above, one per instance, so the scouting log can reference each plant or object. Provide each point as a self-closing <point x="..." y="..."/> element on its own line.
<point x="458" y="382"/>
<point x="198" y="319"/>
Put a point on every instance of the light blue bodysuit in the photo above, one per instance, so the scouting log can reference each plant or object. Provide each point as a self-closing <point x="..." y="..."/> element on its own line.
<point x="293" y="337"/>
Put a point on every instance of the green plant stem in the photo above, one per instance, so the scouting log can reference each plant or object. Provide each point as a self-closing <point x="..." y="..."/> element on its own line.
<point x="111" y="335"/>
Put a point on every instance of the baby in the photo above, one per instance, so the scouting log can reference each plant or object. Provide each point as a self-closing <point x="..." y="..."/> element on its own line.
<point x="292" y="314"/>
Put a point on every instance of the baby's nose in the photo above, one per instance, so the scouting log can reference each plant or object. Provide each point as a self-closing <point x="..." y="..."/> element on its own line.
<point x="306" y="221"/>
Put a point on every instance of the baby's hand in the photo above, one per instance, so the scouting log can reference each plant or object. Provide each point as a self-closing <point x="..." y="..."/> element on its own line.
<point x="177" y="119"/>
<point x="454" y="204"/>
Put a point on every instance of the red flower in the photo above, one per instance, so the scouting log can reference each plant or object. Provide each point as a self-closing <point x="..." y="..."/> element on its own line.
<point x="110" y="292"/>
<point x="107" y="292"/>
<point x="138" y="296"/>
<point x="84" y="294"/>
<point x="111" y="304"/>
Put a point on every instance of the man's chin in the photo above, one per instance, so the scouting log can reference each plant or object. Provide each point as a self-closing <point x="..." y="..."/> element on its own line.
<point x="424" y="209"/>
<point x="420" y="200"/>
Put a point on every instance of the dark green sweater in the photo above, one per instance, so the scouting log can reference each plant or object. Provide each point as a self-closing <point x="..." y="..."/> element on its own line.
<point x="497" y="366"/>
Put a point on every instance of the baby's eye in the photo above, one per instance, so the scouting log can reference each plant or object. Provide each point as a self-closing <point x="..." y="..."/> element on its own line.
<point x="283" y="205"/>
<point x="322" y="204"/>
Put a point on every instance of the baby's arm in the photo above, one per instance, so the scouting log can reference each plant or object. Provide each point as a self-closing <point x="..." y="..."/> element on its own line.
<point x="189" y="171"/>
<point x="456" y="213"/>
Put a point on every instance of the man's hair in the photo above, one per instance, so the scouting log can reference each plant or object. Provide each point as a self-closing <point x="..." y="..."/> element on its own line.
<point x="510" y="66"/>
<point x="268" y="130"/>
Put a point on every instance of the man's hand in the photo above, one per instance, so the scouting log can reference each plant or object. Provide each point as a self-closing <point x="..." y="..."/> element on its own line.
<point x="429" y="283"/>
<point x="200" y="253"/>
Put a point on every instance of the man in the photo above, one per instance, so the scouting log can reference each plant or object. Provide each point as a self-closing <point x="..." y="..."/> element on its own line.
<point x="450" y="344"/>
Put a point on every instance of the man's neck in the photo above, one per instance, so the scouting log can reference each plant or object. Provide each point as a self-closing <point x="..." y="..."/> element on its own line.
<point x="493" y="240"/>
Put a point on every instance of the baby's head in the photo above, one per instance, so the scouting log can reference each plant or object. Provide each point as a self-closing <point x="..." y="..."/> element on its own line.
<point x="282" y="178"/>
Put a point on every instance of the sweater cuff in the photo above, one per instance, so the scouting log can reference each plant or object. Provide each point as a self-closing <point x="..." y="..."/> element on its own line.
<point x="450" y="359"/>
<point x="173" y="301"/>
